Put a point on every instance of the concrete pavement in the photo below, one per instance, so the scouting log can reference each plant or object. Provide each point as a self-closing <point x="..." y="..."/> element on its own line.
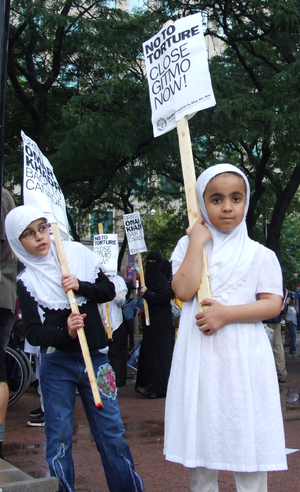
<point x="24" y="447"/>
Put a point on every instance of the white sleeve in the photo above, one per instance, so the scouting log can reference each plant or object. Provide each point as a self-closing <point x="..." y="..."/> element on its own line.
<point x="121" y="290"/>
<point x="120" y="297"/>
<point x="179" y="253"/>
<point x="270" y="275"/>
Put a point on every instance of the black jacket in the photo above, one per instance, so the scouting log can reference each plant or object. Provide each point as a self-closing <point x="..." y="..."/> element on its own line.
<point x="53" y="331"/>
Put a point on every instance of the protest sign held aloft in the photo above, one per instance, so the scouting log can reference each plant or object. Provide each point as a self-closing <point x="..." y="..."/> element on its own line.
<point x="41" y="190"/>
<point x="179" y="86"/>
<point x="134" y="233"/>
<point x="136" y="243"/>
<point x="177" y="73"/>
<point x="40" y="186"/>
<point x="106" y="246"/>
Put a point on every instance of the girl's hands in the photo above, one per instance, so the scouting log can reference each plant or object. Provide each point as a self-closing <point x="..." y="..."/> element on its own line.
<point x="75" y="321"/>
<point x="69" y="282"/>
<point x="212" y="319"/>
<point x="186" y="280"/>
<point x="217" y="315"/>
<point x="199" y="232"/>
<point x="143" y="289"/>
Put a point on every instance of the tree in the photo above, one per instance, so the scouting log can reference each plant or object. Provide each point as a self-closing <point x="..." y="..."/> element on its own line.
<point x="89" y="110"/>
<point x="256" y="83"/>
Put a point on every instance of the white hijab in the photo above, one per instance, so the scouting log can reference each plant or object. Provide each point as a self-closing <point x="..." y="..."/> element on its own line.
<point x="42" y="275"/>
<point x="229" y="255"/>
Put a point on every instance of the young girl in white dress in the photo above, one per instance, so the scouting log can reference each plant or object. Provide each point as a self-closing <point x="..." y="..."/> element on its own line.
<point x="223" y="406"/>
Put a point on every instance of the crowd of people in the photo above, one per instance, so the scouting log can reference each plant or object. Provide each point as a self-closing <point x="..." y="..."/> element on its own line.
<point x="221" y="360"/>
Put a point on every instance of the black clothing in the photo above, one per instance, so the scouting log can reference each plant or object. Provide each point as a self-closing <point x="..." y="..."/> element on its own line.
<point x="153" y="271"/>
<point x="53" y="332"/>
<point x="118" y="354"/>
<point x="158" y="342"/>
<point x="129" y="325"/>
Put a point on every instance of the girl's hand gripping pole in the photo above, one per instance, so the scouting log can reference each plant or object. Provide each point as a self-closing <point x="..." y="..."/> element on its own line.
<point x="189" y="179"/>
<point x="74" y="309"/>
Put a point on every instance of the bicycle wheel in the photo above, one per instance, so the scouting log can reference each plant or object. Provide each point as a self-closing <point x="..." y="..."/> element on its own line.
<point x="17" y="375"/>
<point x="29" y="373"/>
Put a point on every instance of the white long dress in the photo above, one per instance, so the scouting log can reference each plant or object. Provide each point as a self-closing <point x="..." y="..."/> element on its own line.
<point x="223" y="405"/>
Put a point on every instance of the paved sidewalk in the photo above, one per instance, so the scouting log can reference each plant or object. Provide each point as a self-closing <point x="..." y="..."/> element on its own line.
<point x="24" y="447"/>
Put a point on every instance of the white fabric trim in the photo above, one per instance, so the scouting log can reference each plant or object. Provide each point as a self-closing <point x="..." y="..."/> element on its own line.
<point x="42" y="276"/>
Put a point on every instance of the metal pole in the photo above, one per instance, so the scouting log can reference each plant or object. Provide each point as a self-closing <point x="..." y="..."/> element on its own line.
<point x="4" y="23"/>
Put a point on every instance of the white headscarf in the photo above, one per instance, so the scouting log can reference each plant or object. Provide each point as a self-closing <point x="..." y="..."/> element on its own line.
<point x="42" y="276"/>
<point x="229" y="255"/>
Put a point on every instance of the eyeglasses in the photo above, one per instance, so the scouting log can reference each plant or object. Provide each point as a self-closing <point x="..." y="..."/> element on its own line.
<point x="30" y="234"/>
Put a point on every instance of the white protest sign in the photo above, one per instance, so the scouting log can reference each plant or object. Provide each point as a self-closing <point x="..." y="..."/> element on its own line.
<point x="134" y="233"/>
<point x="40" y="186"/>
<point x="177" y="72"/>
<point x="106" y="246"/>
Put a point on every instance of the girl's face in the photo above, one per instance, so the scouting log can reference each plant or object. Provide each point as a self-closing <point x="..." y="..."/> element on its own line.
<point x="36" y="238"/>
<point x="225" y="199"/>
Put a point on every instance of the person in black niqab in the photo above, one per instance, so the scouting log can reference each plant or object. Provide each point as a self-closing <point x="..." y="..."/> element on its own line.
<point x="158" y="338"/>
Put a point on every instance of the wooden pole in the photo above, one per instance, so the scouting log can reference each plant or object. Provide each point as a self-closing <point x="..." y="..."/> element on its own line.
<point x="107" y="311"/>
<point x="146" y="309"/>
<point x="189" y="179"/>
<point x="74" y="309"/>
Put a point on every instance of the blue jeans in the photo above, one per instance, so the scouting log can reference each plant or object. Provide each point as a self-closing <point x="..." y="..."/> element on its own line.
<point x="61" y="373"/>
<point x="293" y="331"/>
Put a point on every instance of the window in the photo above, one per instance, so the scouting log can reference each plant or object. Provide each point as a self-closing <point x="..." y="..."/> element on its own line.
<point x="105" y="218"/>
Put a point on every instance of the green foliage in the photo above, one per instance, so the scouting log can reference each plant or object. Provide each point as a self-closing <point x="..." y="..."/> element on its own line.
<point x="256" y="119"/>
<point x="289" y="249"/>
<point x="77" y="80"/>
<point x="163" y="226"/>
<point x="77" y="86"/>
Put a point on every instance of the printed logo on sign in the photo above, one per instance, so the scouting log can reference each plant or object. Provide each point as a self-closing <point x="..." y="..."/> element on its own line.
<point x="161" y="124"/>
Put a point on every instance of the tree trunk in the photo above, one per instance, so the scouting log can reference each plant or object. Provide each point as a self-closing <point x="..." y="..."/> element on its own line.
<point x="283" y="200"/>
<point x="122" y="252"/>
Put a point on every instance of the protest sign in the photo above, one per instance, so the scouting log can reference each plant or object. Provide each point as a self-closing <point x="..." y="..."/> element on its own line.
<point x="134" y="233"/>
<point x="177" y="72"/>
<point x="135" y="237"/>
<point x="106" y="246"/>
<point x="179" y="86"/>
<point x="40" y="186"/>
<point x="42" y="191"/>
<point x="104" y="308"/>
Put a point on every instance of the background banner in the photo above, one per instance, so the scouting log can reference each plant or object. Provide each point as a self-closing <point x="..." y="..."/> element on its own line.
<point x="106" y="246"/>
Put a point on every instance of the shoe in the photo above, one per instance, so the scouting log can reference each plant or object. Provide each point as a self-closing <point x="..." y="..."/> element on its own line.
<point x="281" y="380"/>
<point x="36" y="421"/>
<point x="38" y="412"/>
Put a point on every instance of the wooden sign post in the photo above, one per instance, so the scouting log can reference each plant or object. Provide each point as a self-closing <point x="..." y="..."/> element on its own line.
<point x="182" y="93"/>
<point x="136" y="243"/>
<point x="57" y="217"/>
<point x="146" y="309"/>
<point x="75" y="309"/>
<point x="107" y="311"/>
<point x="192" y="202"/>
